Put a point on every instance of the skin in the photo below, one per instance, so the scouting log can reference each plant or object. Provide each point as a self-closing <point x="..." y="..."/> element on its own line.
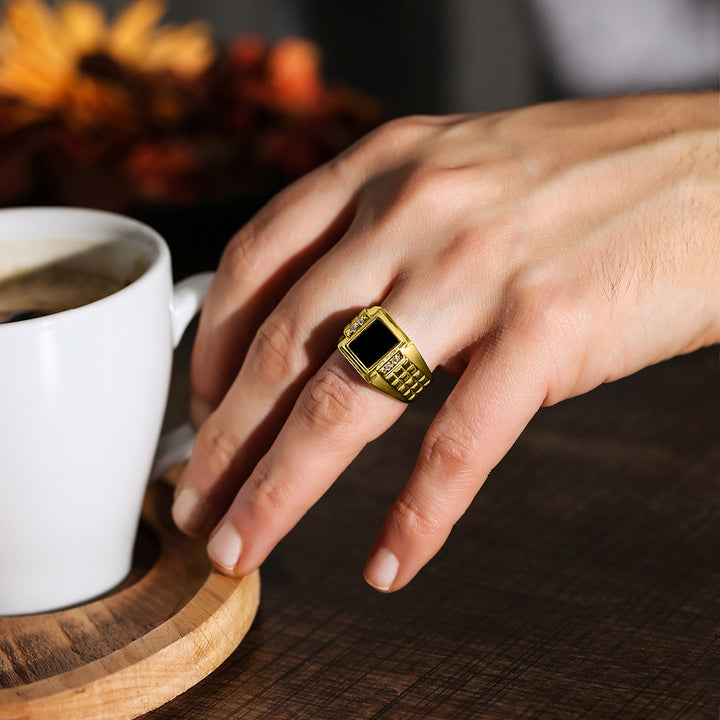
<point x="558" y="247"/>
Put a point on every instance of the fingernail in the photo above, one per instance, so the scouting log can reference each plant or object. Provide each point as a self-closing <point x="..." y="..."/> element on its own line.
<point x="225" y="547"/>
<point x="188" y="511"/>
<point x="382" y="569"/>
<point x="199" y="411"/>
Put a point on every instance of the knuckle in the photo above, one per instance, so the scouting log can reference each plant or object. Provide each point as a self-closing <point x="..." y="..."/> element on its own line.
<point x="267" y="493"/>
<point x="410" y="519"/>
<point x="552" y="316"/>
<point x="336" y="169"/>
<point x="218" y="444"/>
<point x="546" y="304"/>
<point x="449" y="448"/>
<point x="397" y="130"/>
<point x="273" y="352"/>
<point x="242" y="258"/>
<point x="427" y="184"/>
<point x="393" y="138"/>
<point x="331" y="401"/>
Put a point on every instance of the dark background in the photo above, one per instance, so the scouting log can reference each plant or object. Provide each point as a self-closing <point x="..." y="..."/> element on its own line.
<point x="439" y="56"/>
<point x="427" y="56"/>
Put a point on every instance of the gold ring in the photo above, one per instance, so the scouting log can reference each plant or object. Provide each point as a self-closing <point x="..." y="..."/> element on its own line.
<point x="384" y="356"/>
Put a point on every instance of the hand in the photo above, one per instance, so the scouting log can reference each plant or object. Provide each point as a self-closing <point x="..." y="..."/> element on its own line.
<point x="534" y="253"/>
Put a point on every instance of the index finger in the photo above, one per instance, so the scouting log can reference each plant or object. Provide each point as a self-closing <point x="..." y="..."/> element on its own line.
<point x="263" y="259"/>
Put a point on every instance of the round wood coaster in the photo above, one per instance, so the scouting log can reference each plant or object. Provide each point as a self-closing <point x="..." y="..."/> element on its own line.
<point x="170" y="624"/>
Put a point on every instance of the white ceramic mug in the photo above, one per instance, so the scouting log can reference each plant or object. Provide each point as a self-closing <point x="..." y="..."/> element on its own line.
<point x="82" y="400"/>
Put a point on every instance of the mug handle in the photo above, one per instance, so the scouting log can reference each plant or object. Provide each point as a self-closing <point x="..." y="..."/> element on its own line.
<point x="175" y="446"/>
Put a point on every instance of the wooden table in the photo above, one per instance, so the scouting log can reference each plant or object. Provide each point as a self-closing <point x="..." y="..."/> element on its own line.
<point x="584" y="581"/>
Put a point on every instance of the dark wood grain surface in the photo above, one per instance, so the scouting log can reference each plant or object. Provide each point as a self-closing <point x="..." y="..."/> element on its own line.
<point x="584" y="581"/>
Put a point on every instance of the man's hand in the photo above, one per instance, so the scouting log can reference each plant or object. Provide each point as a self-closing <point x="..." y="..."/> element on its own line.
<point x="535" y="254"/>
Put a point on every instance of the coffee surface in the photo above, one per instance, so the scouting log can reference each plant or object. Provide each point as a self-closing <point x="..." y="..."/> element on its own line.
<point x="54" y="288"/>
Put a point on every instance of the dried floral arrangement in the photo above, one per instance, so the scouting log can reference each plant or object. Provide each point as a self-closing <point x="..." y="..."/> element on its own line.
<point x="114" y="113"/>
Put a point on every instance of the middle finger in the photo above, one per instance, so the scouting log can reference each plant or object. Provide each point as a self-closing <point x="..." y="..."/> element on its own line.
<point x="290" y="345"/>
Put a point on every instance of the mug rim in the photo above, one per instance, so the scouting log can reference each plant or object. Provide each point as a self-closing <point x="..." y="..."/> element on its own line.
<point x="161" y="259"/>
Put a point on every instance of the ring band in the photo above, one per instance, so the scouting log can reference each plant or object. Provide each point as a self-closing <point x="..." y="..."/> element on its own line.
<point x="384" y="356"/>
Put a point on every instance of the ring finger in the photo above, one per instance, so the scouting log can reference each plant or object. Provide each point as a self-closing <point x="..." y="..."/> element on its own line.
<point x="335" y="416"/>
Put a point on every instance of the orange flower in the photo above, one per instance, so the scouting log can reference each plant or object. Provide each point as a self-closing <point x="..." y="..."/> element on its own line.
<point x="293" y="69"/>
<point x="134" y="40"/>
<point x="70" y="61"/>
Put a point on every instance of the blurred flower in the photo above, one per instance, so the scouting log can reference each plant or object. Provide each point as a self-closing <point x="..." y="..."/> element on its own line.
<point x="69" y="61"/>
<point x="285" y="76"/>
<point x="294" y="74"/>
<point x="116" y="113"/>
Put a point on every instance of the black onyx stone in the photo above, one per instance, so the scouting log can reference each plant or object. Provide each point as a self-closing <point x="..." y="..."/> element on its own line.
<point x="373" y="342"/>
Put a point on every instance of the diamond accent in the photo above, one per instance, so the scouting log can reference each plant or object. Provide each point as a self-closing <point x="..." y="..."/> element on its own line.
<point x="391" y="363"/>
<point x="357" y="323"/>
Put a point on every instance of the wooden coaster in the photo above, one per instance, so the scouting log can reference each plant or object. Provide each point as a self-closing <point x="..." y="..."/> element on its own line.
<point x="169" y="625"/>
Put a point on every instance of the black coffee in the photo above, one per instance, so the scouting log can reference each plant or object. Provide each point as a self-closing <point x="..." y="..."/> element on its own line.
<point x="54" y="288"/>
